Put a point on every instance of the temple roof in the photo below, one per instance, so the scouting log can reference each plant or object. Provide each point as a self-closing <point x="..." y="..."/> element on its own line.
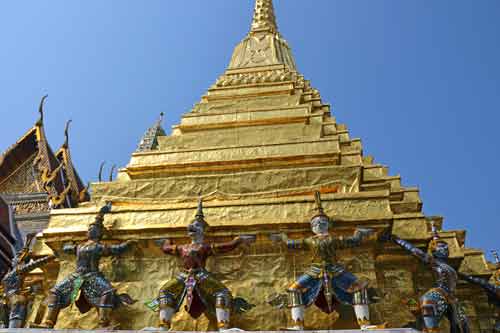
<point x="30" y="166"/>
<point x="33" y="148"/>
<point x="34" y="180"/>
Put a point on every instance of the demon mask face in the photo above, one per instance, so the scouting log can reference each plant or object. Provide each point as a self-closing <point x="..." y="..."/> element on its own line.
<point x="440" y="250"/>
<point x="96" y="230"/>
<point x="196" y="229"/>
<point x="319" y="224"/>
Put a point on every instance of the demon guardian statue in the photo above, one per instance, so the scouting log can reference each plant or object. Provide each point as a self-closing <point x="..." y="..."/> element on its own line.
<point x="200" y="289"/>
<point x="491" y="289"/>
<point x="87" y="280"/>
<point x="440" y="300"/>
<point x="16" y="292"/>
<point x="326" y="282"/>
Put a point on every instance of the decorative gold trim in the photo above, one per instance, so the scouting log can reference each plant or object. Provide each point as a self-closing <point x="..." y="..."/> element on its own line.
<point x="48" y="177"/>
<point x="58" y="199"/>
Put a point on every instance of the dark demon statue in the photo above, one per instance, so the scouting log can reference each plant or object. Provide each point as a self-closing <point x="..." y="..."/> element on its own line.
<point x="327" y="283"/>
<point x="87" y="280"/>
<point x="201" y="290"/>
<point x="440" y="300"/>
<point x="15" y="289"/>
<point x="491" y="289"/>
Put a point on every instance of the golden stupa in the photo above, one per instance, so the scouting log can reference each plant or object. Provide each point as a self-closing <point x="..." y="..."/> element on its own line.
<point x="256" y="146"/>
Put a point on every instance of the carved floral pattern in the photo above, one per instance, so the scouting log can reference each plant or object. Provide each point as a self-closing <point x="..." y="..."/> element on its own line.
<point x="253" y="78"/>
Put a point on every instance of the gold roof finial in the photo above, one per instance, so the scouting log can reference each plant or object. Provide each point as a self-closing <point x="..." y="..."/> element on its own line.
<point x="40" y="110"/>
<point x="263" y="17"/>
<point x="113" y="167"/>
<point x="66" y="134"/>
<point x="101" y="167"/>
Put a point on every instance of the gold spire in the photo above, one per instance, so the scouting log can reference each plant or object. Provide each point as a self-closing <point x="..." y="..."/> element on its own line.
<point x="263" y="46"/>
<point x="263" y="17"/>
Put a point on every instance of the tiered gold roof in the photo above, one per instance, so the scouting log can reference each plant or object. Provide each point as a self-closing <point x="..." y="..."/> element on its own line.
<point x="32" y="180"/>
<point x="257" y="145"/>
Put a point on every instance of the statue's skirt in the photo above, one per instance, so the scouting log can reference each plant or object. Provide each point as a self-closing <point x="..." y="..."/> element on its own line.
<point x="341" y="283"/>
<point x="200" y="289"/>
<point x="90" y="288"/>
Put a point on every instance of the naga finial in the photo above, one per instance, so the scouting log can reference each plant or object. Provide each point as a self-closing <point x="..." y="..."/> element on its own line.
<point x="113" y="167"/>
<point x="40" y="110"/>
<point x="100" y="171"/>
<point x="66" y="134"/>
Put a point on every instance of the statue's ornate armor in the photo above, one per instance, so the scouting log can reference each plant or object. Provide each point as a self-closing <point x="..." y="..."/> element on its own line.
<point x="15" y="291"/>
<point x="201" y="290"/>
<point x="440" y="300"/>
<point x="326" y="283"/>
<point x="95" y="288"/>
<point x="492" y="290"/>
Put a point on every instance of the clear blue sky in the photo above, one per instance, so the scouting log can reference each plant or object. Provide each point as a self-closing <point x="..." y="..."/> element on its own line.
<point x="417" y="80"/>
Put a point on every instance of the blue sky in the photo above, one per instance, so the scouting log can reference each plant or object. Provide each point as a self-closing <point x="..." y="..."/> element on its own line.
<point x="417" y="80"/>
